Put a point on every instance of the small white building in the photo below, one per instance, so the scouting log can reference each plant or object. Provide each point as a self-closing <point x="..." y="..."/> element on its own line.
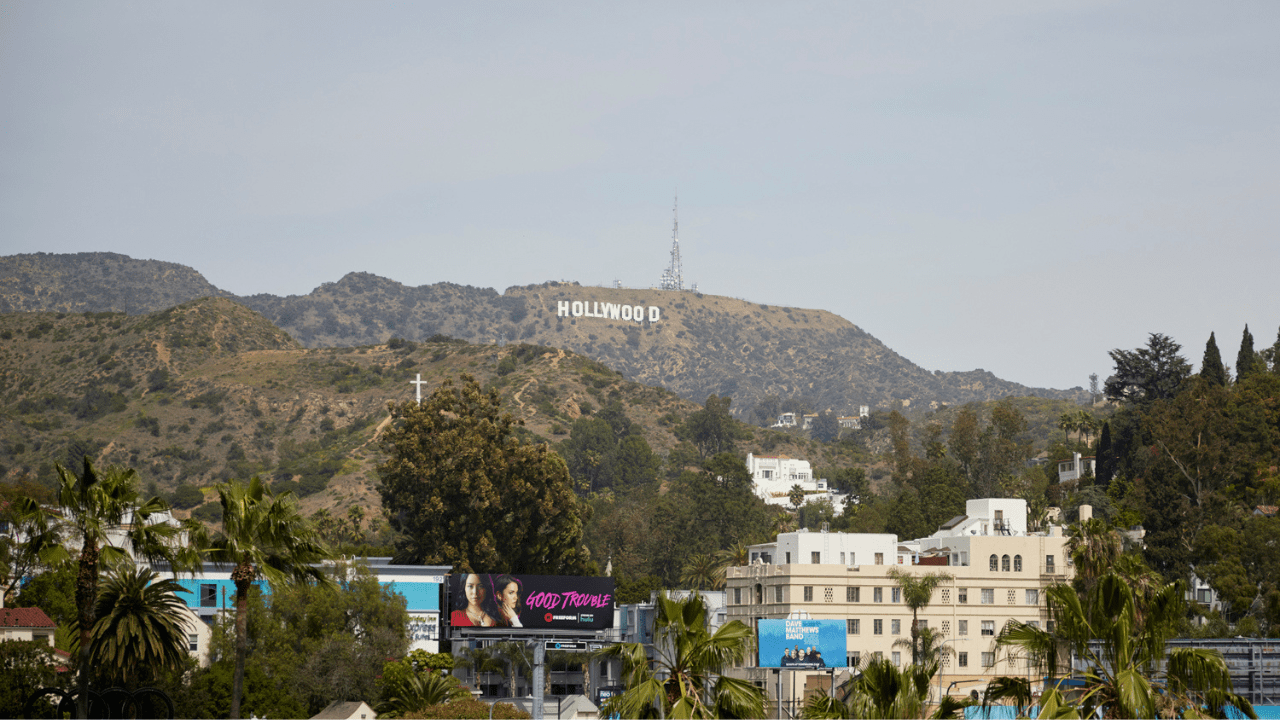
<point x="1076" y="468"/>
<point x="775" y="475"/>
<point x="824" y="548"/>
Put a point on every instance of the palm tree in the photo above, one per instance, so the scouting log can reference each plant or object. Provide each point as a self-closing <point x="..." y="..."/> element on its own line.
<point x="417" y="691"/>
<point x="917" y="592"/>
<point x="736" y="555"/>
<point x="515" y="655"/>
<point x="1094" y="548"/>
<point x="702" y="572"/>
<point x="142" y="625"/>
<point x="1122" y="644"/>
<point x="928" y="646"/>
<point x="480" y="660"/>
<point x="92" y="506"/>
<point x="263" y="535"/>
<point x="881" y="690"/>
<point x="683" y="679"/>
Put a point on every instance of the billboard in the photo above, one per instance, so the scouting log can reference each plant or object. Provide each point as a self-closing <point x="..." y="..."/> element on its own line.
<point x="482" y="601"/>
<point x="802" y="644"/>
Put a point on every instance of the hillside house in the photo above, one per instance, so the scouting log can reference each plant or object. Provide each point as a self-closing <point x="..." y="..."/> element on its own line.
<point x="1076" y="468"/>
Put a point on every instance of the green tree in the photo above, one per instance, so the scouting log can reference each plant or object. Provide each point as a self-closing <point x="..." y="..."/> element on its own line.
<point x="826" y="428"/>
<point x="141" y="627"/>
<point x="93" y="505"/>
<point x="1105" y="458"/>
<point x="466" y="492"/>
<point x="963" y="440"/>
<point x="712" y="430"/>
<point x="635" y="463"/>
<point x="796" y="496"/>
<point x="1147" y="374"/>
<point x="409" y="690"/>
<point x="1211" y="369"/>
<point x="1131" y="632"/>
<point x="702" y="572"/>
<point x="1094" y="549"/>
<point x="1246" y="358"/>
<point x="917" y="593"/>
<point x="25" y="666"/>
<point x="589" y="453"/>
<point x="263" y="535"/>
<point x="685" y="677"/>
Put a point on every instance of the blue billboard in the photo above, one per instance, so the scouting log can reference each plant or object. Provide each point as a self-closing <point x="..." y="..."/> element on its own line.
<point x="802" y="644"/>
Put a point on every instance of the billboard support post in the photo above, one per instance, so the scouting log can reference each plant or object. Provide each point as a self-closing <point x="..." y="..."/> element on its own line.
<point x="539" y="677"/>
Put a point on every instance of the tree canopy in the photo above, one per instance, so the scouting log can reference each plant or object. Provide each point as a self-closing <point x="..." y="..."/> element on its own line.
<point x="464" y="490"/>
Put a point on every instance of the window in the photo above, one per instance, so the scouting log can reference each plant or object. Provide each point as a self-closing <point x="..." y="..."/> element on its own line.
<point x="988" y="628"/>
<point x="877" y="594"/>
<point x="1017" y="563"/>
<point x="759" y="594"/>
<point x="1048" y="626"/>
<point x="1033" y="597"/>
<point x="788" y="556"/>
<point x="808" y="593"/>
<point x="1048" y="564"/>
<point x="193" y="642"/>
<point x="962" y="596"/>
<point x="995" y="563"/>
<point x="922" y="624"/>
<point x="737" y="596"/>
<point x="855" y="659"/>
<point x="1004" y="563"/>
<point x="754" y="557"/>
<point x="897" y="658"/>
<point x="988" y="596"/>
<point x="777" y="593"/>
<point x="895" y="594"/>
<point x="962" y="627"/>
<point x="853" y="626"/>
<point x="815" y="558"/>
<point x="853" y="594"/>
<point x="208" y="595"/>
<point x="877" y="627"/>
<point x="879" y="558"/>
<point x="962" y="659"/>
<point x="1034" y="623"/>
<point x="1204" y="596"/>
<point x="853" y="558"/>
<point x="841" y="558"/>
<point x="895" y="627"/>
<point x="988" y="659"/>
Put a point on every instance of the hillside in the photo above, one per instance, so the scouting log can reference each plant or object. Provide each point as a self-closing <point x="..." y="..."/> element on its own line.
<point x="700" y="344"/>
<point x="210" y="390"/>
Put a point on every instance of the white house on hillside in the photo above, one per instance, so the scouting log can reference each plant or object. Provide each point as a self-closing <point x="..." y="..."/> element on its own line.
<point x="775" y="475"/>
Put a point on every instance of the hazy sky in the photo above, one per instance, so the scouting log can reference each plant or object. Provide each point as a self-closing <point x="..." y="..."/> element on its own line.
<point x="1013" y="186"/>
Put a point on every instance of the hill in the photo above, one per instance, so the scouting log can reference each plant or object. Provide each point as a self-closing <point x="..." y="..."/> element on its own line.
<point x="210" y="390"/>
<point x="696" y="345"/>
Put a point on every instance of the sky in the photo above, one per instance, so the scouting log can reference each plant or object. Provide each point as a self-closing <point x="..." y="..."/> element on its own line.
<point x="1018" y="187"/>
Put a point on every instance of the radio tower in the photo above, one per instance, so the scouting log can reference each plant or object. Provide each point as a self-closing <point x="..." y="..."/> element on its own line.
<point x="673" y="277"/>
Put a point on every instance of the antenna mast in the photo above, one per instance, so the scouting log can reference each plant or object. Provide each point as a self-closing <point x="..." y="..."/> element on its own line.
<point x="673" y="276"/>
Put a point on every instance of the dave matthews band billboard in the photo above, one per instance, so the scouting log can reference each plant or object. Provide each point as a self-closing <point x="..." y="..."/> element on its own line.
<point x="479" y="601"/>
<point x="802" y="644"/>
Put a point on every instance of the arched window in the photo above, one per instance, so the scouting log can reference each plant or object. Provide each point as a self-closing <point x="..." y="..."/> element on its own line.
<point x="994" y="566"/>
<point x="1017" y="563"/>
<point x="1004" y="563"/>
<point x="759" y="594"/>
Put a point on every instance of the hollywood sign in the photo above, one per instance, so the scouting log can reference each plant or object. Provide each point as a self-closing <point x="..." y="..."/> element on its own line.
<point x="608" y="311"/>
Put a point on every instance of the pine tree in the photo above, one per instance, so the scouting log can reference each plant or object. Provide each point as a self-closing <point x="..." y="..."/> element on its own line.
<point x="1246" y="359"/>
<point x="1211" y="368"/>
<point x="1106" y="466"/>
<point x="1275" y="355"/>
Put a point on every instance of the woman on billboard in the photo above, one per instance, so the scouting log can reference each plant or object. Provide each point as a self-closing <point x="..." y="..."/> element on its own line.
<point x="506" y="601"/>
<point x="473" y="596"/>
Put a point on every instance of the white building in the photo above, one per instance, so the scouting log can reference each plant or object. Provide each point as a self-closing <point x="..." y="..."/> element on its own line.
<point x="1076" y="468"/>
<point x="775" y="475"/>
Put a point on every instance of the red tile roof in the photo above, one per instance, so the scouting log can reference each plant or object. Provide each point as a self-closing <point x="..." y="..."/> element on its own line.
<point x="25" y="618"/>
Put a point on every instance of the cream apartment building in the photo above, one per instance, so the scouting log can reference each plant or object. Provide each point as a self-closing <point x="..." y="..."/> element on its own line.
<point x="999" y="574"/>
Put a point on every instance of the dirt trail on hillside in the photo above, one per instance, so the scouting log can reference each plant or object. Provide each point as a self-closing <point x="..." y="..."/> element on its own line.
<point x="515" y="397"/>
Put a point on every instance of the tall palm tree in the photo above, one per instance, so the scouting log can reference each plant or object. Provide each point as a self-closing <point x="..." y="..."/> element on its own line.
<point x="142" y="625"/>
<point x="736" y="555"/>
<point x="263" y="535"/>
<point x="1094" y="549"/>
<point x="928" y="646"/>
<point x="683" y="679"/>
<point x="480" y="660"/>
<point x="514" y="655"/>
<point x="93" y="505"/>
<point x="1123" y="644"/>
<point x="917" y="593"/>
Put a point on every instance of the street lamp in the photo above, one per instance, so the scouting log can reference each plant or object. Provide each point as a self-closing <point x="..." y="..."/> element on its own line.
<point x="940" y="646"/>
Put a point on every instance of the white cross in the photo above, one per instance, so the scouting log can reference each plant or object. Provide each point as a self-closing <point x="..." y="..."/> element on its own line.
<point x="418" y="383"/>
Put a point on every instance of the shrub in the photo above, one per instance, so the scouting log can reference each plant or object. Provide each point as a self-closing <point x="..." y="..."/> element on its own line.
<point x="470" y="708"/>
